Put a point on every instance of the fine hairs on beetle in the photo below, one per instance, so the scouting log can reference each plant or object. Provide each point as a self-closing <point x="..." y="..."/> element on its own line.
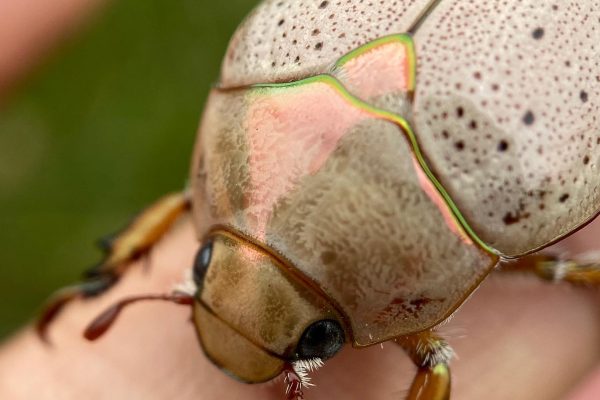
<point x="340" y="138"/>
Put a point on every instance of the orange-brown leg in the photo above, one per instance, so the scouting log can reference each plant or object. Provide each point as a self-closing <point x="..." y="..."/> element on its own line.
<point x="131" y="243"/>
<point x="431" y="354"/>
<point x="556" y="269"/>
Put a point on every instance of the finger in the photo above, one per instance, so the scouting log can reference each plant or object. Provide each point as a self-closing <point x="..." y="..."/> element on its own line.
<point x="515" y="338"/>
<point x="587" y="239"/>
<point x="29" y="28"/>
<point x="589" y="389"/>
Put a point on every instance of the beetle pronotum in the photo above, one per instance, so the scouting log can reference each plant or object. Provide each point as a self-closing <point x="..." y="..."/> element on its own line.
<point x="341" y="138"/>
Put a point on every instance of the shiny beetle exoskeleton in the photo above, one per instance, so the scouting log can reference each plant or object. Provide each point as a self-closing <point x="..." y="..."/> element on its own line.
<point x="358" y="173"/>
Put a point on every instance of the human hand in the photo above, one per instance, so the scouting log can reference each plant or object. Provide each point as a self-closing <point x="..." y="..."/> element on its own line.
<point x="516" y="338"/>
<point x="30" y="28"/>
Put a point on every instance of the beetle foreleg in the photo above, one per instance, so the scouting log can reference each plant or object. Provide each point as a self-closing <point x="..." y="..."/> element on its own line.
<point x="64" y="296"/>
<point x="431" y="354"/>
<point x="293" y="384"/>
<point x="557" y="269"/>
<point x="131" y="243"/>
<point x="295" y="377"/>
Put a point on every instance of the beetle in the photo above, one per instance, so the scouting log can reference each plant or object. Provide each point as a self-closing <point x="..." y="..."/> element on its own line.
<point x="361" y="167"/>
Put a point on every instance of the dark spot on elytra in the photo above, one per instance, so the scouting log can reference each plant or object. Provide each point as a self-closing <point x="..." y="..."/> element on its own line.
<point x="460" y="145"/>
<point x="528" y="118"/>
<point x="460" y="112"/>
<point x="316" y="32"/>
<point x="323" y="5"/>
<point x="538" y="33"/>
<point x="281" y="22"/>
<point x="502" y="145"/>
<point x="473" y="125"/>
<point x="445" y="134"/>
<point x="564" y="197"/>
<point x="583" y="96"/>
<point x="510" y="218"/>
<point x="586" y="160"/>
<point x="319" y="46"/>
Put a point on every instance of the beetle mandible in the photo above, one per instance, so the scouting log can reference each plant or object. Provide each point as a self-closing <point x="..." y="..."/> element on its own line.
<point x="361" y="168"/>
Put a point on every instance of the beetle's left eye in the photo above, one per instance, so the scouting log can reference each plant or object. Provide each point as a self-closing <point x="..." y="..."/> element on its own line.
<point x="202" y="262"/>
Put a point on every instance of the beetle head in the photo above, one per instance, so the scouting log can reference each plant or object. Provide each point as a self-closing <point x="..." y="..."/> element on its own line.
<point x="253" y="314"/>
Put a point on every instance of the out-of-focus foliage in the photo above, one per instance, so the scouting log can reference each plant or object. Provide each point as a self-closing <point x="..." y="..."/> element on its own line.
<point x="103" y="128"/>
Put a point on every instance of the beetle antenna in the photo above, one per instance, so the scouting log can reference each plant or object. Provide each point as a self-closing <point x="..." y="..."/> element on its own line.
<point x="104" y="321"/>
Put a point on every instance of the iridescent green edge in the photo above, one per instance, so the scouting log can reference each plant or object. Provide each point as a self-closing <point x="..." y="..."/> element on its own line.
<point x="389" y="116"/>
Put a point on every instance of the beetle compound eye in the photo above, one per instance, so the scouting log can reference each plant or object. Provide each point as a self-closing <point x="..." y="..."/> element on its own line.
<point x="202" y="262"/>
<point x="321" y="340"/>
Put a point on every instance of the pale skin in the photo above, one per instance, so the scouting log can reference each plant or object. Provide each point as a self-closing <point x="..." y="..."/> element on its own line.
<point x="30" y="29"/>
<point x="517" y="337"/>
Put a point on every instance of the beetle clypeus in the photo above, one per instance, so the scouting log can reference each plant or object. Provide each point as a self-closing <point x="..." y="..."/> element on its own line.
<point x="362" y="167"/>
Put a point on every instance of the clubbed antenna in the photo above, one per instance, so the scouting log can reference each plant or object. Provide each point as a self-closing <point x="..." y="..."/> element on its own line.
<point x="104" y="321"/>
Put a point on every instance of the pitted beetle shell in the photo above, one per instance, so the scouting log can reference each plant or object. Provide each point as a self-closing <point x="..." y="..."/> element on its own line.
<point x="391" y="183"/>
<point x="530" y="99"/>
<point x="332" y="187"/>
<point x="289" y="40"/>
<point x="506" y="105"/>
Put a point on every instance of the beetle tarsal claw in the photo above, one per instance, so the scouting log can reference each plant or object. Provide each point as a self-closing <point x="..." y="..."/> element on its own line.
<point x="303" y="367"/>
<point x="432" y="351"/>
<point x="296" y="377"/>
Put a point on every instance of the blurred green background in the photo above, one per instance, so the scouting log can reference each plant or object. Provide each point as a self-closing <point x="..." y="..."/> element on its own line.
<point x="103" y="128"/>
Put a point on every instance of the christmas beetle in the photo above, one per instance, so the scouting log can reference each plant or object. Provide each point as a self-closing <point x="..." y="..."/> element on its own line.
<point x="362" y="166"/>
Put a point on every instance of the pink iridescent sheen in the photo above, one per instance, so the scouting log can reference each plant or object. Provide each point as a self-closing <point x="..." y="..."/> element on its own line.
<point x="439" y="201"/>
<point x="391" y="61"/>
<point x="309" y="121"/>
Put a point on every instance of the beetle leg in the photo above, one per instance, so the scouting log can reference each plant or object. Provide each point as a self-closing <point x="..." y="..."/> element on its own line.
<point x="131" y="243"/>
<point x="555" y="269"/>
<point x="431" y="354"/>
<point x="293" y="384"/>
